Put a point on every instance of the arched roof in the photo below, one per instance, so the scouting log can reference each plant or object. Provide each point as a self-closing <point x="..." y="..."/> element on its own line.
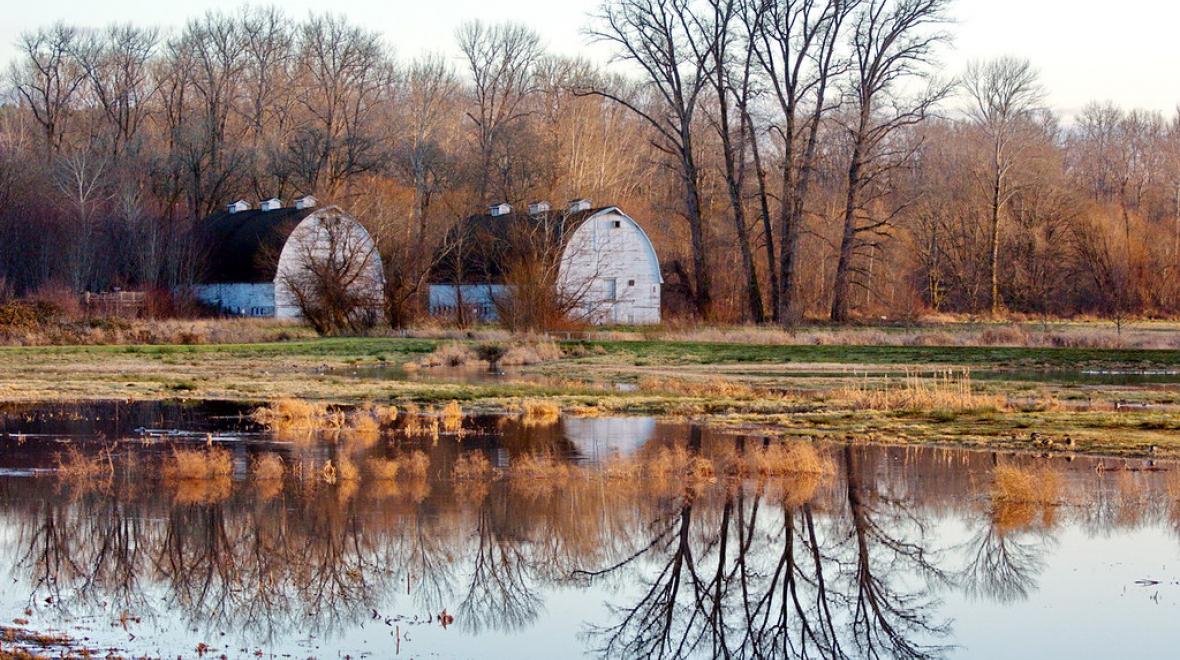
<point x="244" y="247"/>
<point x="479" y="246"/>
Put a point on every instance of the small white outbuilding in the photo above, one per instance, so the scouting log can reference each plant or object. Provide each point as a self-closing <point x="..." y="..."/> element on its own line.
<point x="252" y="256"/>
<point x="608" y="266"/>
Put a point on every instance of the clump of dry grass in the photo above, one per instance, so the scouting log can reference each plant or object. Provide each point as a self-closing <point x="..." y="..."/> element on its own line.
<point x="197" y="464"/>
<point x="539" y="412"/>
<point x="679" y="463"/>
<point x="784" y="458"/>
<point x="290" y="414"/>
<point x="707" y="388"/>
<point x="346" y="470"/>
<point x="450" y="354"/>
<point x="383" y="469"/>
<point x="950" y="390"/>
<point x="472" y="465"/>
<point x="267" y="467"/>
<point x="530" y="353"/>
<point x="1018" y="485"/>
<point x="416" y="464"/>
<point x="78" y="467"/>
<point x="452" y="417"/>
<point x="538" y="467"/>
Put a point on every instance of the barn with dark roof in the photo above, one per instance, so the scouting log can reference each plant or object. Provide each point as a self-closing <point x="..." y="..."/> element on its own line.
<point x="253" y="256"/>
<point x="607" y="266"/>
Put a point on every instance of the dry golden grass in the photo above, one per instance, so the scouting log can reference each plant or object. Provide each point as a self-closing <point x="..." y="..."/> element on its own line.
<point x="452" y="354"/>
<point x="707" y="388"/>
<point x="415" y="465"/>
<point x="530" y="353"/>
<point x="201" y="491"/>
<point x="383" y="469"/>
<point x="268" y="467"/>
<point x="452" y="417"/>
<point x="950" y="390"/>
<point x="197" y="464"/>
<point x="539" y="467"/>
<point x="621" y="469"/>
<point x="290" y="414"/>
<point x="539" y="412"/>
<point x="346" y="470"/>
<point x="472" y="465"/>
<point x="78" y="467"/>
<point x="782" y="458"/>
<point x="1018" y="485"/>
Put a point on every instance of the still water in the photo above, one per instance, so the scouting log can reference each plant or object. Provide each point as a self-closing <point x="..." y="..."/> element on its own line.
<point x="898" y="552"/>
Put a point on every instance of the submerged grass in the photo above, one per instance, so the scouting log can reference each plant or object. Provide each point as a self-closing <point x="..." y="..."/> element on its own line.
<point x="267" y="467"/>
<point x="1020" y="485"/>
<point x="197" y="464"/>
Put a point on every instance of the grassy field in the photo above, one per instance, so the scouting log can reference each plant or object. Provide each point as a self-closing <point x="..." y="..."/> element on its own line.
<point x="1004" y="397"/>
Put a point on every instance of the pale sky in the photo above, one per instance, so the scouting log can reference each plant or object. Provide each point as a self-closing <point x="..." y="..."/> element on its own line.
<point x="1124" y="51"/>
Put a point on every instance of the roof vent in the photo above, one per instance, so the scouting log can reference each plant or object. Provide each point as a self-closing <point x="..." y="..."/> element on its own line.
<point x="500" y="209"/>
<point x="306" y="202"/>
<point x="238" y="206"/>
<point x="579" y="205"/>
<point x="271" y="204"/>
<point x="537" y="208"/>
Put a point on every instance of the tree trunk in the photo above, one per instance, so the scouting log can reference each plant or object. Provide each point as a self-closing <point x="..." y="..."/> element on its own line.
<point x="997" y="305"/>
<point x="839" y="312"/>
<point x="703" y="297"/>
<point x="768" y="229"/>
<point x="733" y="182"/>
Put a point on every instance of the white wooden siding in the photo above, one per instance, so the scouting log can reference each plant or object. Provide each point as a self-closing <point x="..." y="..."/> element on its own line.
<point x="611" y="268"/>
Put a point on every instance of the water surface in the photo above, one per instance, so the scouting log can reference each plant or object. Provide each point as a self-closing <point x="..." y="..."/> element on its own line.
<point x="899" y="552"/>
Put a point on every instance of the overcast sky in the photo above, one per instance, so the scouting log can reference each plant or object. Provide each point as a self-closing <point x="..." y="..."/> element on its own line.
<point x="1085" y="49"/>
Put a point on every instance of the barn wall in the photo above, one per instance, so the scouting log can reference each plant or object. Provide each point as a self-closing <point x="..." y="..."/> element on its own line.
<point x="610" y="267"/>
<point x="312" y="239"/>
<point x="479" y="298"/>
<point x="243" y="299"/>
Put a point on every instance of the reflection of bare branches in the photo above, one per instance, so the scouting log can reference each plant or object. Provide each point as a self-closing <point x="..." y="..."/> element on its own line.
<point x="1003" y="563"/>
<point x="886" y="621"/>
<point x="499" y="594"/>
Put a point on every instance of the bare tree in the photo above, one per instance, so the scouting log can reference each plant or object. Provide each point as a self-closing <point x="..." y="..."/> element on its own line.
<point x="733" y="78"/>
<point x="48" y="79"/>
<point x="797" y="45"/>
<point x="347" y="79"/>
<point x="892" y="41"/>
<point x="500" y="59"/>
<point x="333" y="277"/>
<point x="671" y="41"/>
<point x="118" y="72"/>
<point x="1004" y="93"/>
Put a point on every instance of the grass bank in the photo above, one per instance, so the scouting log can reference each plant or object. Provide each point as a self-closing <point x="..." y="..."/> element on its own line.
<point x="882" y="393"/>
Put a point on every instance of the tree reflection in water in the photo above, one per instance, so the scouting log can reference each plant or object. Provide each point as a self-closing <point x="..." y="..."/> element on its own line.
<point x="847" y="565"/>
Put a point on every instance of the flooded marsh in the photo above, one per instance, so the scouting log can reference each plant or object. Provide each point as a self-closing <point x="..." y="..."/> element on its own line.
<point x="167" y="528"/>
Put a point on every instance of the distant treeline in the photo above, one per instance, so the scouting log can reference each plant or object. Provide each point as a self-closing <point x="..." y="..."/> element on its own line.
<point x="788" y="159"/>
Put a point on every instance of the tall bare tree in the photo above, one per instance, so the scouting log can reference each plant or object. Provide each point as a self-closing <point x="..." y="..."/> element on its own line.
<point x="500" y="59"/>
<point x="671" y="41"/>
<point x="797" y="44"/>
<point x="48" y="78"/>
<point x="892" y="42"/>
<point x="1004" y="93"/>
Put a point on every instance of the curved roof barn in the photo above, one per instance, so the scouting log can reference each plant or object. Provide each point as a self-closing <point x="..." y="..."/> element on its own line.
<point x="244" y="246"/>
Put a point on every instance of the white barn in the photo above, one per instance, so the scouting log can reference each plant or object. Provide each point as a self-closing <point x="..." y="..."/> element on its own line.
<point x="254" y="255"/>
<point x="608" y="266"/>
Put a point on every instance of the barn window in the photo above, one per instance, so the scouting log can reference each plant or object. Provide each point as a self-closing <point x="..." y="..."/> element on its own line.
<point x="630" y="282"/>
<point x="617" y="224"/>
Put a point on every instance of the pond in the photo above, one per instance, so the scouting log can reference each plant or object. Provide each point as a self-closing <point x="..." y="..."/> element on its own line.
<point x="566" y="548"/>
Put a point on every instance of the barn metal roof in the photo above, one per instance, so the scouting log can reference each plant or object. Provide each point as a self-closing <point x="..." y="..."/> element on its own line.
<point x="478" y="247"/>
<point x="244" y="247"/>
